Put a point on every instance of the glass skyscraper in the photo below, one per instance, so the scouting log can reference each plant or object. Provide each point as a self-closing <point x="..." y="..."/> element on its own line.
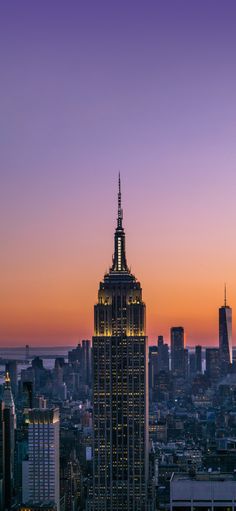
<point x="225" y="336"/>
<point x="120" y="383"/>
<point x="177" y="351"/>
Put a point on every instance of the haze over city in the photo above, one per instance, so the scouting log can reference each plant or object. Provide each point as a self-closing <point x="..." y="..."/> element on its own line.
<point x="87" y="91"/>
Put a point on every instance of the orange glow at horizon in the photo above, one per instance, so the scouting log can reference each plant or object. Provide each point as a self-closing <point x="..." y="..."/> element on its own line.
<point x="52" y="303"/>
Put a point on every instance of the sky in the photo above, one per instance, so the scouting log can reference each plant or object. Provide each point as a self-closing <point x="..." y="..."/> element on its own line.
<point x="88" y="89"/>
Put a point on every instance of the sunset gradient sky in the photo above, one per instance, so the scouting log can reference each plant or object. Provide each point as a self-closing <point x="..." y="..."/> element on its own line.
<point x="91" y="88"/>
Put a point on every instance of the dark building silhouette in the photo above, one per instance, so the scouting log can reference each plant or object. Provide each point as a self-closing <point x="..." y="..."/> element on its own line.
<point x="178" y="356"/>
<point x="2" y="454"/>
<point x="11" y="368"/>
<point x="153" y="367"/>
<point x="186" y="363"/>
<point x="213" y="363"/>
<point x="198" y="357"/>
<point x="9" y="445"/>
<point x="225" y="336"/>
<point x="27" y="394"/>
<point x="87" y="361"/>
<point x="82" y="355"/>
<point x="192" y="364"/>
<point x="120" y="384"/>
<point x="163" y="354"/>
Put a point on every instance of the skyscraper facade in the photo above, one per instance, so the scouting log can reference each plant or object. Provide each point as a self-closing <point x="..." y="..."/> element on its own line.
<point x="213" y="364"/>
<point x="120" y="384"/>
<point x="153" y="369"/>
<point x="225" y="337"/>
<point x="178" y="355"/>
<point x="9" y="417"/>
<point x="11" y="368"/>
<point x="198" y="355"/>
<point x="2" y="454"/>
<point x="41" y="470"/>
<point x="163" y="354"/>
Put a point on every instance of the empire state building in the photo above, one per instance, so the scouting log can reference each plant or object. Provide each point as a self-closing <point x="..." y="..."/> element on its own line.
<point x="120" y="395"/>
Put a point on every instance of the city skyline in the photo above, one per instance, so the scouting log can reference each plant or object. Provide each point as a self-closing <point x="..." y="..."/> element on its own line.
<point x="149" y="97"/>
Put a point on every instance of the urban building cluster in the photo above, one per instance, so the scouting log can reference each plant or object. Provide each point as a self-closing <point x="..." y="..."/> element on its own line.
<point x="120" y="425"/>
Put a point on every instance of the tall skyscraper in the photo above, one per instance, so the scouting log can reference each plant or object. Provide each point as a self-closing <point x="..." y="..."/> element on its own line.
<point x="11" y="368"/>
<point x="198" y="355"/>
<point x="225" y="336"/>
<point x="86" y="361"/>
<point x="2" y="454"/>
<point x="9" y="445"/>
<point x="152" y="370"/>
<point x="40" y="473"/>
<point x="120" y="388"/>
<point x="163" y="354"/>
<point x="213" y="364"/>
<point x="178" y="356"/>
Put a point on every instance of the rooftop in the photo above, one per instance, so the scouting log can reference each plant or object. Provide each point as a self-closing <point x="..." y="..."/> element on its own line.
<point x="205" y="477"/>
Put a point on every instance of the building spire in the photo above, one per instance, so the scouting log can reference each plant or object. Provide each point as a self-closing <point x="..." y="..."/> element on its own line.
<point x="7" y="393"/>
<point x="225" y="296"/>
<point x="120" y="211"/>
<point x="119" y="259"/>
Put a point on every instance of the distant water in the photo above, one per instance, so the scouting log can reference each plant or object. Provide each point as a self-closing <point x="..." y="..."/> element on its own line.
<point x="48" y="354"/>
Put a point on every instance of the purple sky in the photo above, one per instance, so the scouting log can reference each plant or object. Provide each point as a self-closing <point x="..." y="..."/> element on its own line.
<point x="90" y="88"/>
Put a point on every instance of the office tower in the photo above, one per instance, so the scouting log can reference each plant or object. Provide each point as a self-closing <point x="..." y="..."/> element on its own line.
<point x="27" y="394"/>
<point x="120" y="392"/>
<point x="40" y="473"/>
<point x="86" y="361"/>
<point x="192" y="364"/>
<point x="2" y="454"/>
<point x="40" y="402"/>
<point x="186" y="363"/>
<point x="82" y="354"/>
<point x="163" y="354"/>
<point x="178" y="356"/>
<point x="11" y="368"/>
<point x="153" y="367"/>
<point x="213" y="363"/>
<point x="59" y="370"/>
<point x="26" y="352"/>
<point x="225" y="336"/>
<point x="9" y="447"/>
<point x="75" y="355"/>
<point x="198" y="356"/>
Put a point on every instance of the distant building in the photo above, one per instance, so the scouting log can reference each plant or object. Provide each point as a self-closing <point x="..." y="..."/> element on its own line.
<point x="153" y="367"/>
<point x="177" y="351"/>
<point x="87" y="361"/>
<point x="82" y="354"/>
<point x="198" y="357"/>
<point x="225" y="337"/>
<point x="27" y="394"/>
<point x="163" y="354"/>
<point x="202" y="492"/>
<point x="213" y="363"/>
<point x="11" y="368"/>
<point x="40" y="473"/>
<point x="186" y="363"/>
<point x="192" y="365"/>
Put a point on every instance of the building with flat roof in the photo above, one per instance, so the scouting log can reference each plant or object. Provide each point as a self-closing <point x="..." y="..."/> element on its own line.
<point x="40" y="472"/>
<point x="204" y="491"/>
